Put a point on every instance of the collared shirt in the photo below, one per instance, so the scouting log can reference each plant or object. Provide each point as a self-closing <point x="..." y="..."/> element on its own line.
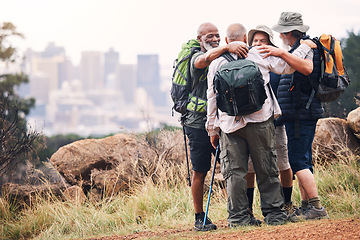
<point x="227" y="123"/>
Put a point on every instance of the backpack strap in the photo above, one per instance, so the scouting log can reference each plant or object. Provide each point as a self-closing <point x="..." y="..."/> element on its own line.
<point x="310" y="99"/>
<point x="228" y="57"/>
<point x="188" y="80"/>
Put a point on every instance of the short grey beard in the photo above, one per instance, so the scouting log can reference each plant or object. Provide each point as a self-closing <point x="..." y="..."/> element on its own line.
<point x="285" y="46"/>
<point x="207" y="46"/>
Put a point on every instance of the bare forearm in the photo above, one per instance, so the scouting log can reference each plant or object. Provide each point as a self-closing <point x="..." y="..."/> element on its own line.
<point x="204" y="60"/>
<point x="295" y="60"/>
<point x="304" y="66"/>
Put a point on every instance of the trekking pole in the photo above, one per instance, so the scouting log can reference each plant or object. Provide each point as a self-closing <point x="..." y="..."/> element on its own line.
<point x="187" y="158"/>
<point x="211" y="183"/>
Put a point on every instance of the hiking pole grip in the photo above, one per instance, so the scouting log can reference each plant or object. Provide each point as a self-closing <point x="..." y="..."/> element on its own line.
<point x="211" y="182"/>
<point x="187" y="158"/>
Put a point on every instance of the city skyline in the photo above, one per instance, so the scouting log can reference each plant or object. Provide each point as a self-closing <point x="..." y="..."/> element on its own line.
<point x="101" y="96"/>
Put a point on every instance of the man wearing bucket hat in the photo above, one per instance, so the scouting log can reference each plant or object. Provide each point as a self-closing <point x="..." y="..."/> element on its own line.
<point x="251" y="134"/>
<point x="300" y="113"/>
<point x="263" y="35"/>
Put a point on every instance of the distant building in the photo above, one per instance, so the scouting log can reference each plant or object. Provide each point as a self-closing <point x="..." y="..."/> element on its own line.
<point x="111" y="63"/>
<point x="90" y="71"/>
<point x="127" y="81"/>
<point x="67" y="71"/>
<point x="44" y="74"/>
<point x="98" y="97"/>
<point x="148" y="77"/>
<point x="53" y="51"/>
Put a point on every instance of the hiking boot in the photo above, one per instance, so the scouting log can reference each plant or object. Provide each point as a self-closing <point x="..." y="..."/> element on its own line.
<point x="315" y="214"/>
<point x="199" y="224"/>
<point x="276" y="217"/>
<point x="254" y="221"/>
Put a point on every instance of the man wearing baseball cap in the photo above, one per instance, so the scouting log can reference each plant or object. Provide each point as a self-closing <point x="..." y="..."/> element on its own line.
<point x="300" y="113"/>
<point x="263" y="35"/>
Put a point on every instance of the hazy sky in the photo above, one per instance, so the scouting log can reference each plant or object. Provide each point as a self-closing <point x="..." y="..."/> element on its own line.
<point x="134" y="27"/>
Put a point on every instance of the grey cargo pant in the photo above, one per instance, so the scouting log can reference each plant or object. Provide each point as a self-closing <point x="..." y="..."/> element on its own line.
<point x="258" y="140"/>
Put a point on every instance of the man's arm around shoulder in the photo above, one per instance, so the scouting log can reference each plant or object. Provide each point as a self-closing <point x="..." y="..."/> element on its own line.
<point x="204" y="60"/>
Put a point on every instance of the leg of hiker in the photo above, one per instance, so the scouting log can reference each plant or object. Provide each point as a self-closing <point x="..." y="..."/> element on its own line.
<point x="200" y="155"/>
<point x="261" y="142"/>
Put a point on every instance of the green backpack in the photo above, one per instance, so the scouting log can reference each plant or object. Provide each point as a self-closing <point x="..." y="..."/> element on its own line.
<point x="181" y="80"/>
<point x="239" y="87"/>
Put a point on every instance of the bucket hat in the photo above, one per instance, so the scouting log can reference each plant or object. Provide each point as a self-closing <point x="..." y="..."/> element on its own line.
<point x="264" y="29"/>
<point x="290" y="21"/>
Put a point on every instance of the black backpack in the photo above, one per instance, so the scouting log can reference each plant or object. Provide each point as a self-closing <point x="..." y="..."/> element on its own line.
<point x="239" y="87"/>
<point x="334" y="78"/>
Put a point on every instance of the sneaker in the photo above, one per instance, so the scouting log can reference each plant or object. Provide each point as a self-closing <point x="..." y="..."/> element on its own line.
<point x="315" y="214"/>
<point x="295" y="214"/>
<point x="301" y="211"/>
<point x="199" y="224"/>
<point x="290" y="208"/>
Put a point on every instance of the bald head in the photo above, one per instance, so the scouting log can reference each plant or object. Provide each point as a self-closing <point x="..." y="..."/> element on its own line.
<point x="208" y="36"/>
<point x="236" y="32"/>
<point x="205" y="28"/>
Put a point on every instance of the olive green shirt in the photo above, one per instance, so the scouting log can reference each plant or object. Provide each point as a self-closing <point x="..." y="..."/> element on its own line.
<point x="199" y="87"/>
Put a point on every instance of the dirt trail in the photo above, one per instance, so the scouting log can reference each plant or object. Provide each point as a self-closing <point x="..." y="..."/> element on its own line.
<point x="322" y="229"/>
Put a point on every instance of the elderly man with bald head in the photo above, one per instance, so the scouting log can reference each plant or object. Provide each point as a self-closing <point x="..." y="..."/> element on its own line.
<point x="194" y="121"/>
<point x="252" y="134"/>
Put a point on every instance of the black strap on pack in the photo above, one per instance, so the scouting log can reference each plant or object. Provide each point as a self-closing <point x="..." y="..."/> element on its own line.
<point x="188" y="80"/>
<point x="230" y="58"/>
<point x="188" y="73"/>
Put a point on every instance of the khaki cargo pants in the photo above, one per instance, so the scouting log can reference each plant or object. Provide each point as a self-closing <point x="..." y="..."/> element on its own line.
<point x="258" y="140"/>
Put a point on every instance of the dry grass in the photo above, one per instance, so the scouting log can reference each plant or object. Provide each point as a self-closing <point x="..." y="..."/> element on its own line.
<point x="161" y="200"/>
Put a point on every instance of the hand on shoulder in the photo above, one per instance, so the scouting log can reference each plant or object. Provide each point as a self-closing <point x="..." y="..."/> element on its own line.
<point x="308" y="42"/>
<point x="239" y="49"/>
<point x="270" y="51"/>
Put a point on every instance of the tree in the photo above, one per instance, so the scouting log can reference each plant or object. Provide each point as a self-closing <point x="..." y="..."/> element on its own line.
<point x="351" y="97"/>
<point x="7" y="52"/>
<point x="16" y="142"/>
<point x="9" y="82"/>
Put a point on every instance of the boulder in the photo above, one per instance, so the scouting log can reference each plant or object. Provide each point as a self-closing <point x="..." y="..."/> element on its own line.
<point x="29" y="193"/>
<point x="75" y="194"/>
<point x="26" y="181"/>
<point x="333" y="137"/>
<point x="353" y="120"/>
<point x="103" y="167"/>
<point x="80" y="161"/>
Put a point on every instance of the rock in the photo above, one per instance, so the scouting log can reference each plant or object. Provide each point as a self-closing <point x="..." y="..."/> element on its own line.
<point x="81" y="161"/>
<point x="29" y="193"/>
<point x="27" y="181"/>
<point x="333" y="137"/>
<point x="104" y="167"/>
<point x="75" y="194"/>
<point x="353" y="120"/>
